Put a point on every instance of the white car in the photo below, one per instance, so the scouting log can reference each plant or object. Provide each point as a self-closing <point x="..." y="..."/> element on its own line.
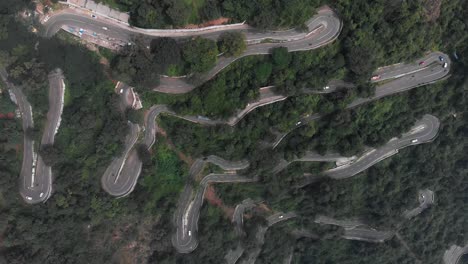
<point x="298" y="123"/>
<point x="445" y="65"/>
<point x="326" y="87"/>
<point x="189" y="233"/>
<point x="105" y="28"/>
<point x="414" y="141"/>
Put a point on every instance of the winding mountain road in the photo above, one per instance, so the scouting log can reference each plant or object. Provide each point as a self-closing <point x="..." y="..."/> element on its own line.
<point x="397" y="78"/>
<point x="322" y="29"/>
<point x="426" y="199"/>
<point x="118" y="180"/>
<point x="36" y="176"/>
<point x="454" y="254"/>
<point x="190" y="202"/>
<point x="423" y="131"/>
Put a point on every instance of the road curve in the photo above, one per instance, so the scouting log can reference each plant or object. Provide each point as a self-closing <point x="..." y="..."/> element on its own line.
<point x="322" y="29"/>
<point x="35" y="183"/>
<point x="395" y="81"/>
<point x="191" y="200"/>
<point x="260" y="235"/>
<point x="130" y="168"/>
<point x="116" y="181"/>
<point x="188" y="210"/>
<point x="454" y="254"/>
<point x="426" y="199"/>
<point x="425" y="130"/>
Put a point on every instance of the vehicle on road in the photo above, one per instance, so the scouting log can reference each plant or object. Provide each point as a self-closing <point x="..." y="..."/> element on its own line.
<point x="298" y="123"/>
<point x="414" y="141"/>
<point x="445" y="65"/>
<point x="326" y="87"/>
<point x="422" y="63"/>
<point x="441" y="58"/>
<point x="93" y="16"/>
<point x="105" y="28"/>
<point x="375" y="77"/>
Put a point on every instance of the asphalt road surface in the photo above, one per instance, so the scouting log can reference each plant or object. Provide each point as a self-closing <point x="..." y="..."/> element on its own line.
<point x="424" y="131"/>
<point x="454" y="254"/>
<point x="191" y="200"/>
<point x="426" y="199"/>
<point x="260" y="235"/>
<point x="118" y="179"/>
<point x="367" y="235"/>
<point x="347" y="224"/>
<point x="396" y="81"/>
<point x="188" y="210"/>
<point x="238" y="215"/>
<point x="35" y="183"/>
<point x="323" y="28"/>
<point x="54" y="117"/>
<point x="308" y="157"/>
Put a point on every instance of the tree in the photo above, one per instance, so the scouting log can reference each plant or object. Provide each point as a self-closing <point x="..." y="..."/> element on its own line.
<point x="232" y="43"/>
<point x="166" y="52"/>
<point x="200" y="54"/>
<point x="178" y="12"/>
<point x="263" y="72"/>
<point x="50" y="155"/>
<point x="281" y="57"/>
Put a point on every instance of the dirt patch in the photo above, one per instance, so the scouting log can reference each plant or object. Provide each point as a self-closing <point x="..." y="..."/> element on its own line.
<point x="213" y="199"/>
<point x="214" y="22"/>
<point x="432" y="8"/>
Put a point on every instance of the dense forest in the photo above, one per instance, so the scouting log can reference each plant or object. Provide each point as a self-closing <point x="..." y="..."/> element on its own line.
<point x="176" y="13"/>
<point x="81" y="224"/>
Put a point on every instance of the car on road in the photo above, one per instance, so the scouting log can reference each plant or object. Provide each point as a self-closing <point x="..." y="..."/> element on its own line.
<point x="326" y="87"/>
<point x="281" y="216"/>
<point x="375" y="77"/>
<point x="189" y="233"/>
<point x="298" y="123"/>
<point x="441" y="58"/>
<point x="414" y="141"/>
<point x="93" y="16"/>
<point x="421" y="63"/>
<point x="105" y="28"/>
<point x="445" y="65"/>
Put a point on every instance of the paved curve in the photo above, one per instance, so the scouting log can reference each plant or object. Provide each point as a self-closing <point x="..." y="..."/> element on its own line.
<point x="424" y="131"/>
<point x="454" y="254"/>
<point x="35" y="176"/>
<point x="356" y="230"/>
<point x="426" y="199"/>
<point x="323" y="28"/>
<point x="395" y="82"/>
<point x="308" y="157"/>
<point x="260" y="235"/>
<point x="115" y="180"/>
<point x="190" y="201"/>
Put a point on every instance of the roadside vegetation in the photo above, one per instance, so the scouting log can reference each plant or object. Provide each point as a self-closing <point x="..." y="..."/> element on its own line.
<point x="82" y="224"/>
